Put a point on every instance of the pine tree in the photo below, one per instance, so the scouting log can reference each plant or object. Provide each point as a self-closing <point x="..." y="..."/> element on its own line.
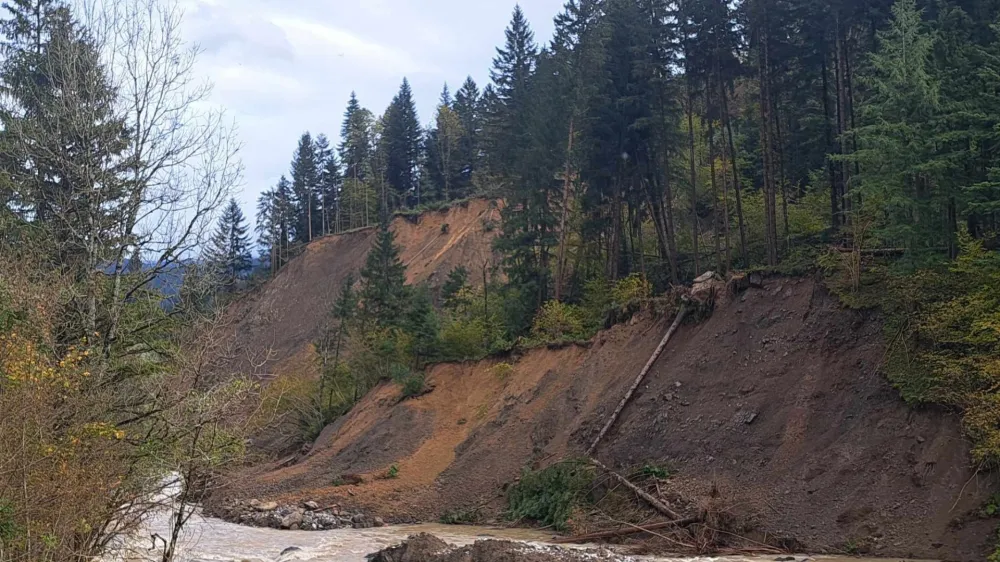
<point x="402" y="140"/>
<point x="356" y="144"/>
<point x="383" y="280"/>
<point x="422" y="325"/>
<point x="900" y="189"/>
<point x="328" y="184"/>
<point x="275" y="217"/>
<point x="305" y="174"/>
<point x="512" y="69"/>
<point x="228" y="255"/>
<point x="468" y="108"/>
<point x="442" y="148"/>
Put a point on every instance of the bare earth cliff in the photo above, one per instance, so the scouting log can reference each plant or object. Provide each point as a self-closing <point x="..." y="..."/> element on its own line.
<point x="776" y="401"/>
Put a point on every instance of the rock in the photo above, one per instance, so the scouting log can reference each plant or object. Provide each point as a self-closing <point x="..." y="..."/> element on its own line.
<point x="293" y="519"/>
<point x="254" y="503"/>
<point x="362" y="521"/>
<point x="707" y="288"/>
<point x="266" y="506"/>
<point x="289" y="550"/>
<point x="311" y="505"/>
<point x="378" y="522"/>
<point x="920" y="439"/>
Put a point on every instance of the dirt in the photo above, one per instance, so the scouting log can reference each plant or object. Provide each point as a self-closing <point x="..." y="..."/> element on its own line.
<point x="775" y="406"/>
<point x="428" y="548"/>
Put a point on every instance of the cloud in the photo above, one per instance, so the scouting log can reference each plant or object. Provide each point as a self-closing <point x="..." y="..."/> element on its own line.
<point x="310" y="36"/>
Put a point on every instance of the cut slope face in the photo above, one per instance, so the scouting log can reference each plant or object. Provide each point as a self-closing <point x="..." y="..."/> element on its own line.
<point x="273" y="330"/>
<point x="776" y="400"/>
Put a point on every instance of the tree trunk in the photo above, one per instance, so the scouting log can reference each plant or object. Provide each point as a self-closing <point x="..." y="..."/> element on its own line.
<point x="845" y="174"/>
<point x="694" y="179"/>
<point x="567" y="184"/>
<point x="736" y="175"/>
<point x="781" y="178"/>
<point x="763" y="75"/>
<point x="714" y="183"/>
<point x="831" y="169"/>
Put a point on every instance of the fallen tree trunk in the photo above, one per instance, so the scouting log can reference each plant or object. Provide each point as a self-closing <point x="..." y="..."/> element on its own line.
<point x="634" y="530"/>
<point x="638" y="380"/>
<point x="655" y="503"/>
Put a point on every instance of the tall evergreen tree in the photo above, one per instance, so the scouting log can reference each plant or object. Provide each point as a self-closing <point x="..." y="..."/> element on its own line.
<point x="467" y="107"/>
<point x="442" y="149"/>
<point x="275" y="218"/>
<point x="383" y="280"/>
<point x="328" y="183"/>
<point x="305" y="174"/>
<point x="402" y="140"/>
<point x="228" y="255"/>
<point x="512" y="69"/>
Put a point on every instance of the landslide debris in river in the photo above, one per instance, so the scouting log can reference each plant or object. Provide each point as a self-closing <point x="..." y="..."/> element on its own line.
<point x="428" y="548"/>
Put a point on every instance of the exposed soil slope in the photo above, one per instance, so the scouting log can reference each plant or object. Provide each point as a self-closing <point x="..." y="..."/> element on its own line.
<point x="776" y="400"/>
<point x="273" y="330"/>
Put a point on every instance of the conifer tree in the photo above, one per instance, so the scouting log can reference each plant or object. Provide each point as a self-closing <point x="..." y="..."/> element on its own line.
<point x="467" y="107"/>
<point x="402" y="139"/>
<point x="899" y="186"/>
<point x="356" y="140"/>
<point x="305" y="174"/>
<point x="228" y="254"/>
<point x="512" y="69"/>
<point x="275" y="217"/>
<point x="328" y="184"/>
<point x="383" y="280"/>
<point x="442" y="148"/>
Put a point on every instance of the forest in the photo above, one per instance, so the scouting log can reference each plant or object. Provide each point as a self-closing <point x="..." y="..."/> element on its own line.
<point x="648" y="142"/>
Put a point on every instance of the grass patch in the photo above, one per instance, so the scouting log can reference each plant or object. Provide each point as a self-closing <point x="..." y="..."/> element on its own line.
<point x="461" y="517"/>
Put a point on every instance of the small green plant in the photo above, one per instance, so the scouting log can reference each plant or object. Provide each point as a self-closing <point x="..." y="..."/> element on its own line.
<point x="992" y="506"/>
<point x="995" y="557"/>
<point x="557" y="322"/>
<point x="481" y="411"/>
<point x="655" y="471"/>
<point x="338" y="481"/>
<point x="8" y="526"/>
<point x="549" y="496"/>
<point x="634" y="287"/>
<point x="502" y="371"/>
<point x="460" y="517"/>
<point x="393" y="472"/>
<point x="413" y="385"/>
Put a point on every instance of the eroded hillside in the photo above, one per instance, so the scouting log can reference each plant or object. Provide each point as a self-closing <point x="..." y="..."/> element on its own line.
<point x="776" y="402"/>
<point x="272" y="332"/>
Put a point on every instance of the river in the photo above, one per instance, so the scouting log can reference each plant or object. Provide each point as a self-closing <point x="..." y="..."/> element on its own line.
<point x="213" y="540"/>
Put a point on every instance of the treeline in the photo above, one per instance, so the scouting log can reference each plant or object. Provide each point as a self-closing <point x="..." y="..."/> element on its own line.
<point x="381" y="165"/>
<point x="667" y="137"/>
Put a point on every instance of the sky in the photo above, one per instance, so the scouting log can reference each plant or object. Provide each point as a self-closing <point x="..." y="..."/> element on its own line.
<point x="283" y="67"/>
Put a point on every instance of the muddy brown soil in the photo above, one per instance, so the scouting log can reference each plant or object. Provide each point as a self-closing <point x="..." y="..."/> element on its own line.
<point x="428" y="548"/>
<point x="775" y="405"/>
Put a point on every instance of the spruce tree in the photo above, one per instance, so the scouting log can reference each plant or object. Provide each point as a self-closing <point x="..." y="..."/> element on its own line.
<point x="900" y="190"/>
<point x="467" y="107"/>
<point x="305" y="172"/>
<point x="422" y="325"/>
<point x="228" y="255"/>
<point x="442" y="149"/>
<point x="328" y="184"/>
<point x="402" y="139"/>
<point x="383" y="282"/>
<point x="512" y="70"/>
<point x="356" y="140"/>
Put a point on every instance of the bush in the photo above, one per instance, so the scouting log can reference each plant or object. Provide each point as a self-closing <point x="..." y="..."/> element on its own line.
<point x="463" y="340"/>
<point x="460" y="517"/>
<point x="632" y="288"/>
<point x="502" y="371"/>
<point x="558" y="322"/>
<point x="549" y="496"/>
<point x="413" y="385"/>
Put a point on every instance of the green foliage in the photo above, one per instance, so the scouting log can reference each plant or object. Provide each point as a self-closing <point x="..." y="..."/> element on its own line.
<point x="463" y="340"/>
<point x="502" y="371"/>
<point x="558" y="322"/>
<point x="632" y="288"/>
<point x="655" y="471"/>
<point x="992" y="506"/>
<point x="393" y="472"/>
<point x="414" y="385"/>
<point x="9" y="529"/>
<point x="457" y="280"/>
<point x="383" y="280"/>
<point x="422" y="325"/>
<point x="549" y="496"/>
<point x="461" y="517"/>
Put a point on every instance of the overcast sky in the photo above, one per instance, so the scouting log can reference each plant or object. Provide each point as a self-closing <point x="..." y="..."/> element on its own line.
<point x="282" y="67"/>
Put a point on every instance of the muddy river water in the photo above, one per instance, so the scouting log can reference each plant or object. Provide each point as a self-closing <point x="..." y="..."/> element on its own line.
<point x="212" y="540"/>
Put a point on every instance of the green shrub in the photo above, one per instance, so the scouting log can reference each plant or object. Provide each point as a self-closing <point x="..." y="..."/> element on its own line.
<point x="549" y="496"/>
<point x="632" y="288"/>
<point x="393" y="472"/>
<point x="414" y="385"/>
<point x="8" y="525"/>
<point x="463" y="340"/>
<point x="557" y="322"/>
<point x="502" y="371"/>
